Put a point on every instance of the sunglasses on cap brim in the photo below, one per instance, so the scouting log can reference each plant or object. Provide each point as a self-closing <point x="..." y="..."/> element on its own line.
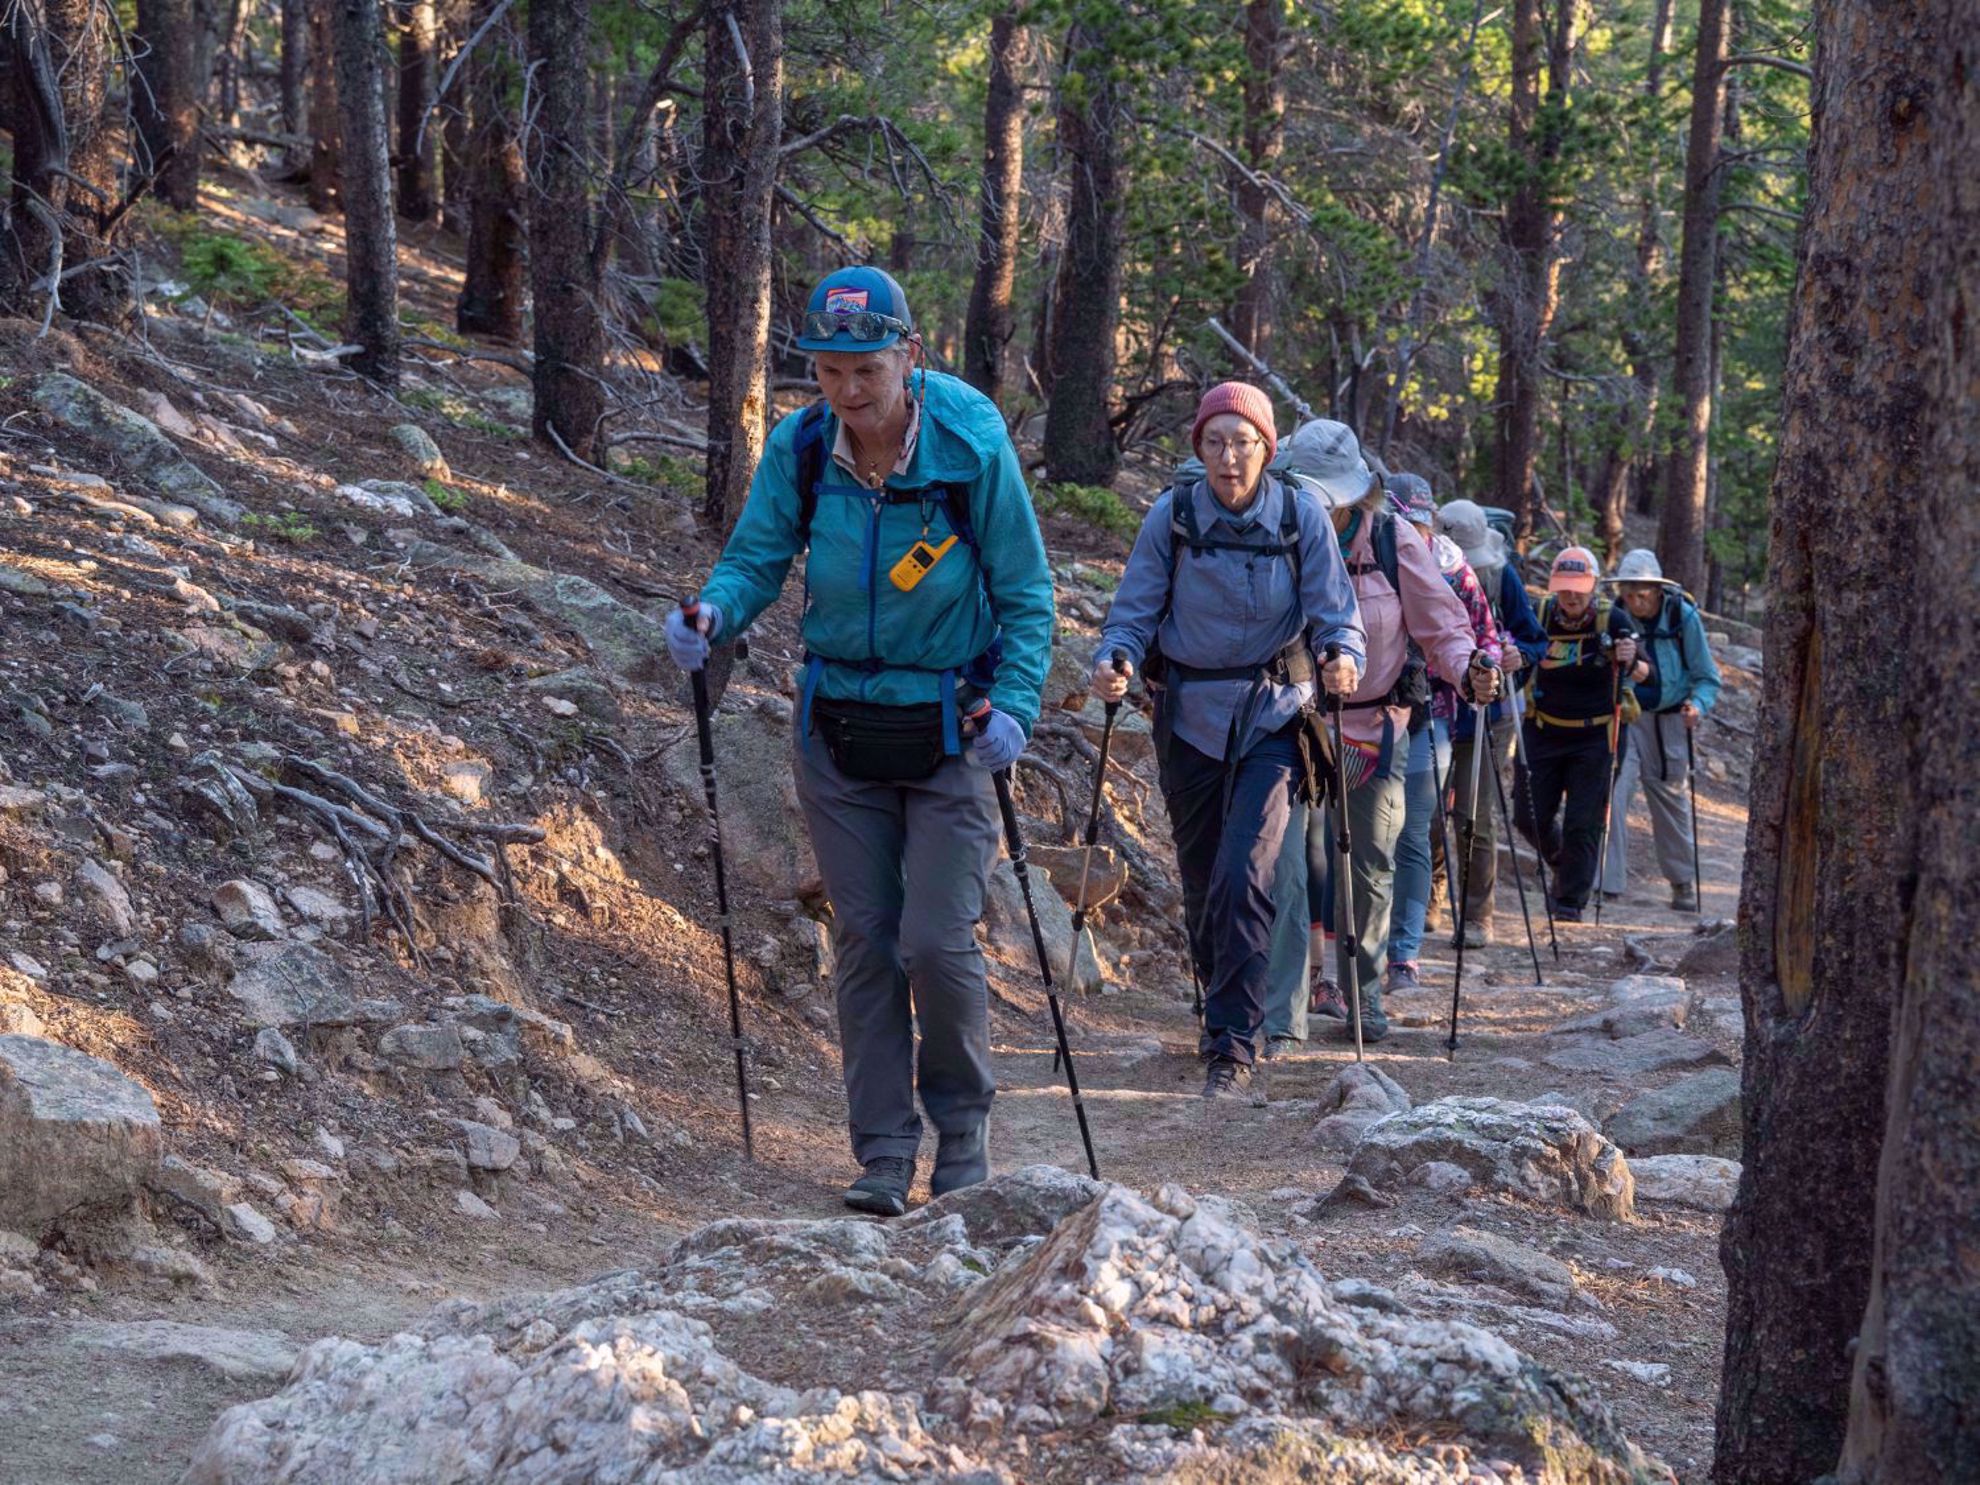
<point x="862" y="324"/>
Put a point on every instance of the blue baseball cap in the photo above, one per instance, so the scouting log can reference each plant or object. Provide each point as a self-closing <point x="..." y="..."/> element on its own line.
<point x="855" y="309"/>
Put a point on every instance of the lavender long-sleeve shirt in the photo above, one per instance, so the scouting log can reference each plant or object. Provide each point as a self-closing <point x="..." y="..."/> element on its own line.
<point x="1232" y="609"/>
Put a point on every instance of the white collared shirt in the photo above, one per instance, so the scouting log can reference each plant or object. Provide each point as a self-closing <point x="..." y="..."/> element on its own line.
<point x="842" y="450"/>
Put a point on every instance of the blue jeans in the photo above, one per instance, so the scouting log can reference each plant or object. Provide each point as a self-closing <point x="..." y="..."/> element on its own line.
<point x="1429" y="761"/>
<point x="1227" y="832"/>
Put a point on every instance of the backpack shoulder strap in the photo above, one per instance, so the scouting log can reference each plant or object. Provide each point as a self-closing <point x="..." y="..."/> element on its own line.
<point x="1383" y="539"/>
<point x="1289" y="536"/>
<point x="811" y="465"/>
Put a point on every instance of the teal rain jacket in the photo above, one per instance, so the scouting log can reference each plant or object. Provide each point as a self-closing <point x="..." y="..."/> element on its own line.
<point x="865" y="639"/>
<point x="1681" y="665"/>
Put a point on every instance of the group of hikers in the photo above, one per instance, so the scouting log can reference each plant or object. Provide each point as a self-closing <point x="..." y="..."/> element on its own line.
<point x="1273" y="589"/>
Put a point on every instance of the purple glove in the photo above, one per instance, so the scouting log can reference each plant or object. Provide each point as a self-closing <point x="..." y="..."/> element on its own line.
<point x="999" y="740"/>
<point x="687" y="641"/>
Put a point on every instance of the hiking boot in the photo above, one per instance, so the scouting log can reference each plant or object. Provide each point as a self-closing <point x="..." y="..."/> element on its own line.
<point x="961" y="1160"/>
<point x="1277" y="1046"/>
<point x="1402" y="976"/>
<point x="1328" y="1001"/>
<point x="1374" y="1024"/>
<point x="1565" y="914"/>
<point x="1224" y="1078"/>
<point x="883" y="1189"/>
<point x="1477" y="935"/>
<point x="1684" y="897"/>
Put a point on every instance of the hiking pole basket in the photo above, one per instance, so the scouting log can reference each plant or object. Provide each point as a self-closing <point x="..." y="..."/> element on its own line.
<point x="1014" y="842"/>
<point x="705" y="739"/>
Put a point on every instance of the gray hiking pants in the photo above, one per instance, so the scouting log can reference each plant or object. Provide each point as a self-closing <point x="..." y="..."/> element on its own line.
<point x="906" y="866"/>
<point x="1656" y="758"/>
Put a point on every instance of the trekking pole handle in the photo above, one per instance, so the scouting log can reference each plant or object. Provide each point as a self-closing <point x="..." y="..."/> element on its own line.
<point x="1333" y="653"/>
<point x="974" y="715"/>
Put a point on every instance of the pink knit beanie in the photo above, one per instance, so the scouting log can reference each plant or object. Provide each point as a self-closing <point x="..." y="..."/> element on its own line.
<point x="1248" y="402"/>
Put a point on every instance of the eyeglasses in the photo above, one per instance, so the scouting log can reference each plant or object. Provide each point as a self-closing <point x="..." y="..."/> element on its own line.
<point x="863" y="324"/>
<point x="1217" y="449"/>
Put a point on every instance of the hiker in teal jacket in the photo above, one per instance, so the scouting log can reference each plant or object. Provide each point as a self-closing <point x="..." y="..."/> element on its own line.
<point x="926" y="581"/>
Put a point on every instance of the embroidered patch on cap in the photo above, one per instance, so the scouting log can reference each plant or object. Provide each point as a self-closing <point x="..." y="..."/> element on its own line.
<point x="1571" y="564"/>
<point x="844" y="301"/>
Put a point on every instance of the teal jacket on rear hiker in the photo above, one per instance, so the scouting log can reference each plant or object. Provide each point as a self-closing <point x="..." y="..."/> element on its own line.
<point x="986" y="602"/>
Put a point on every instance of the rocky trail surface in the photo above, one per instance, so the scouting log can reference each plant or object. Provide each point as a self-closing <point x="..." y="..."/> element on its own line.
<point x="365" y="1099"/>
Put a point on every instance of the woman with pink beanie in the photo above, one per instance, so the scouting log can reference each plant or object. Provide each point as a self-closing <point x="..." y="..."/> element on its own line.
<point x="1231" y="600"/>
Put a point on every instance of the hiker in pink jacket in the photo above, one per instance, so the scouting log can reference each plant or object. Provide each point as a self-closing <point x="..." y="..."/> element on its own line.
<point x="1403" y="598"/>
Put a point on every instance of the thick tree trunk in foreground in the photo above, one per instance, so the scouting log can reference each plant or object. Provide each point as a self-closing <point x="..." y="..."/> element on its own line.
<point x="1913" y="1411"/>
<point x="165" y="101"/>
<point x="990" y="322"/>
<point x="570" y="330"/>
<point x="1531" y="291"/>
<point x="64" y="163"/>
<point x="742" y="130"/>
<point x="371" y="233"/>
<point x="492" y="286"/>
<point x="1824" y="911"/>
<point x="1681" y="523"/>
<point x="1264" y="139"/>
<point x="1079" y="438"/>
<point x="324" y="188"/>
<point x="417" y="77"/>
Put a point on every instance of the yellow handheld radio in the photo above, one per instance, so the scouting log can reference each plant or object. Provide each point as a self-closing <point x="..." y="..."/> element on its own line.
<point x="920" y="557"/>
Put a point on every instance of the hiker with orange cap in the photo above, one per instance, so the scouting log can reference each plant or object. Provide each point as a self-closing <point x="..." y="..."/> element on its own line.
<point x="1236" y="602"/>
<point x="1583" y="697"/>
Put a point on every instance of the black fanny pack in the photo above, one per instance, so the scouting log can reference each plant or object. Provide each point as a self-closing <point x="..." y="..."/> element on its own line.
<point x="882" y="744"/>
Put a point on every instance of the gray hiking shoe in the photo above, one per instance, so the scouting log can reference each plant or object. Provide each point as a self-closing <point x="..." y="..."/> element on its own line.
<point x="1277" y="1046"/>
<point x="883" y="1189"/>
<point x="1224" y="1078"/>
<point x="961" y="1160"/>
<point x="1402" y="976"/>
<point x="1684" y="897"/>
<point x="1476" y="936"/>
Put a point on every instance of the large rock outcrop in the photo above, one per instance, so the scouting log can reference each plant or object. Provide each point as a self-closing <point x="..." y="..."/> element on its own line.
<point x="1547" y="1152"/>
<point x="949" y="1346"/>
<point x="78" y="1139"/>
<point x="134" y="442"/>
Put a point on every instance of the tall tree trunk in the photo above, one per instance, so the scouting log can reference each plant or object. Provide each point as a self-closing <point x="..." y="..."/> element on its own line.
<point x="1264" y="139"/>
<point x="570" y="328"/>
<point x="1917" y="1362"/>
<point x="1636" y="421"/>
<point x="1079" y="438"/>
<point x="294" y="65"/>
<point x="371" y="233"/>
<point x="1531" y="289"/>
<point x="990" y="322"/>
<point x="492" y="287"/>
<point x="1681" y="523"/>
<point x="324" y="147"/>
<point x="742" y="129"/>
<point x="417" y="59"/>
<point x="165" y="101"/>
<point x="64" y="164"/>
<point x="1824" y="911"/>
<point x="223" y="88"/>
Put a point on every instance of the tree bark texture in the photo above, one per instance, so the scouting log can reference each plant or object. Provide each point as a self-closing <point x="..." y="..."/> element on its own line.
<point x="991" y="322"/>
<point x="1635" y="423"/>
<point x="64" y="164"/>
<point x="1824" y="906"/>
<point x="294" y="65"/>
<point x="569" y="326"/>
<point x="417" y="77"/>
<point x="1079" y="437"/>
<point x="324" y="187"/>
<point x="742" y="130"/>
<point x="1264" y="140"/>
<point x="492" y="285"/>
<point x="1530" y="291"/>
<point x="371" y="234"/>
<point x="1681" y="523"/>
<point x="1915" y="1396"/>
<point x="165" y="101"/>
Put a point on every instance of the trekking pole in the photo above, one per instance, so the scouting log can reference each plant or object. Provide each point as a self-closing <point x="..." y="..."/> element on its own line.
<point x="1344" y="847"/>
<point x="1522" y="773"/>
<point x="1014" y="842"/>
<point x="1614" y="768"/>
<point x="1478" y="735"/>
<point x="1519" y="877"/>
<point x="1113" y="710"/>
<point x="1440" y="812"/>
<point x="1691" y="778"/>
<point x="691" y="609"/>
